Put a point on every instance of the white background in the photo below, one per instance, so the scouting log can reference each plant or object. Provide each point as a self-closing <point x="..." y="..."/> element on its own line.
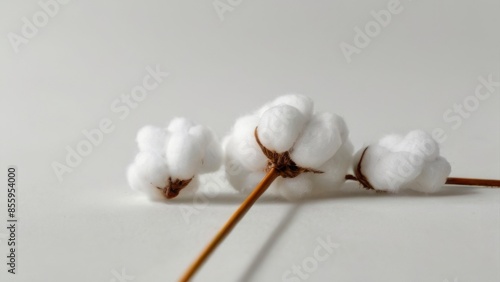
<point x="91" y="226"/>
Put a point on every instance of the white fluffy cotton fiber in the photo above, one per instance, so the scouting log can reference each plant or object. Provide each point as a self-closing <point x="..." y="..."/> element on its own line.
<point x="179" y="152"/>
<point x="404" y="162"/>
<point x="317" y="141"/>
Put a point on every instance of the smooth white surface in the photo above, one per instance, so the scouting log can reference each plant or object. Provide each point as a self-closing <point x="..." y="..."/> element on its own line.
<point x="67" y="77"/>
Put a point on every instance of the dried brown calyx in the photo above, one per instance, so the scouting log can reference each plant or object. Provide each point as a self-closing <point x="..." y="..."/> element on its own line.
<point x="282" y="162"/>
<point x="360" y="177"/>
<point x="173" y="188"/>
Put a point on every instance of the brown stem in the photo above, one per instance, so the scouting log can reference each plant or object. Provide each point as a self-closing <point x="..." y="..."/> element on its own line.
<point x="455" y="181"/>
<point x="473" y="182"/>
<point x="271" y="175"/>
<point x="279" y="164"/>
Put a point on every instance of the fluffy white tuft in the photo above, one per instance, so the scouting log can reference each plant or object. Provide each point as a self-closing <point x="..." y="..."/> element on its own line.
<point x="433" y="176"/>
<point x="184" y="155"/>
<point x="279" y="127"/>
<point x="420" y="143"/>
<point x="335" y="169"/>
<point x="319" y="141"/>
<point x="242" y="146"/>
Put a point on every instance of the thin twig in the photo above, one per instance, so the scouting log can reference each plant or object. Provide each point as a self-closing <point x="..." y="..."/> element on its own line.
<point x="473" y="182"/>
<point x="271" y="175"/>
<point x="493" y="183"/>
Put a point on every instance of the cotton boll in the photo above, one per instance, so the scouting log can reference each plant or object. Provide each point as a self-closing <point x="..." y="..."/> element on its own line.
<point x="180" y="125"/>
<point x="296" y="188"/>
<point x="409" y="162"/>
<point x="335" y="169"/>
<point x="151" y="138"/>
<point x="242" y="145"/>
<point x="390" y="141"/>
<point x="179" y="152"/>
<point x="419" y="143"/>
<point x="302" y="103"/>
<point x="183" y="156"/>
<point x="279" y="127"/>
<point x="288" y="125"/>
<point x="433" y="176"/>
<point x="318" y="142"/>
